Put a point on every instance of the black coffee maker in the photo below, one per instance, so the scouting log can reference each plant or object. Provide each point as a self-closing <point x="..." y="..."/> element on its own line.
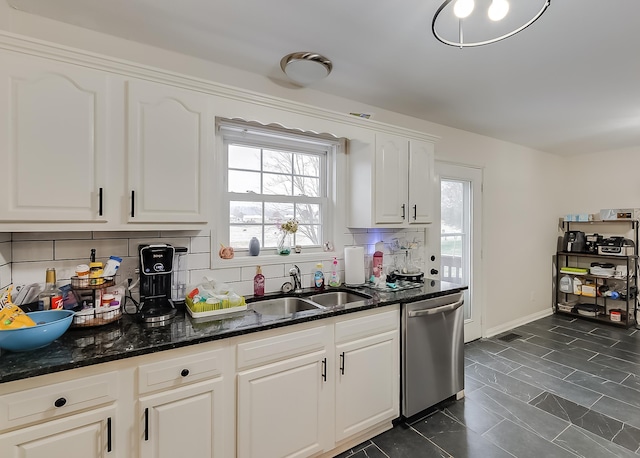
<point x="155" y="267"/>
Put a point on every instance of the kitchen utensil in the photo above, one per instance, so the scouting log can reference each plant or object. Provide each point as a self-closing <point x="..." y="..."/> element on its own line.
<point x="50" y="324"/>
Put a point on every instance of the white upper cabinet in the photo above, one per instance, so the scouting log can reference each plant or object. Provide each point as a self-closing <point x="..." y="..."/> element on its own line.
<point x="53" y="141"/>
<point x="421" y="182"/>
<point x="393" y="187"/>
<point x="169" y="141"/>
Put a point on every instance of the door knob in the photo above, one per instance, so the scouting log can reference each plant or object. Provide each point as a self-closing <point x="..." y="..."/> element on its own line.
<point x="434" y="272"/>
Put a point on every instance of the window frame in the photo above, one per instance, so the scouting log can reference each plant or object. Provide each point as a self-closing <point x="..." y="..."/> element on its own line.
<point x="274" y="138"/>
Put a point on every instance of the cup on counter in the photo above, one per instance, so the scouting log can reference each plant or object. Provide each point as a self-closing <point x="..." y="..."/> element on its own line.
<point x="82" y="271"/>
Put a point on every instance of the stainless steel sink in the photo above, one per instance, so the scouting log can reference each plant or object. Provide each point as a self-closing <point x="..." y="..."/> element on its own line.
<point x="283" y="306"/>
<point x="335" y="298"/>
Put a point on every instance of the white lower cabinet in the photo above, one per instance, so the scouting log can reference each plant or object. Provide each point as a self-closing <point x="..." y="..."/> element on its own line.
<point x="367" y="355"/>
<point x="281" y="408"/>
<point x="367" y="390"/>
<point x="285" y="394"/>
<point x="185" y="421"/>
<point x="85" y="435"/>
<point x="307" y="392"/>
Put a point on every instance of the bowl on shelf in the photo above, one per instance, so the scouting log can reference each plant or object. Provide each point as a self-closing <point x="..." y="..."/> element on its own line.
<point x="50" y="324"/>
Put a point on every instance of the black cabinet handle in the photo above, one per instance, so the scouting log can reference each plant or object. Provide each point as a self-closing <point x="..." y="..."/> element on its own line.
<point x="109" y="434"/>
<point x="100" y="202"/>
<point x="342" y="363"/>
<point x="324" y="369"/>
<point x="60" y="402"/>
<point x="146" y="424"/>
<point x="434" y="271"/>
<point x="415" y="212"/>
<point x="402" y="211"/>
<point x="133" y="204"/>
<point x="184" y="372"/>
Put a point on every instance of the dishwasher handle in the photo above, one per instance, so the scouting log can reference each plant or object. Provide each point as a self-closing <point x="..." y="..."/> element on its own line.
<point x="443" y="308"/>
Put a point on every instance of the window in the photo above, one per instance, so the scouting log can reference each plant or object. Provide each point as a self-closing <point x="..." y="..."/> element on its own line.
<point x="272" y="176"/>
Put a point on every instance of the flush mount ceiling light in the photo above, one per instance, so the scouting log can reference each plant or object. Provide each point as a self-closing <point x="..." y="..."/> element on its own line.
<point x="493" y="20"/>
<point x="306" y="67"/>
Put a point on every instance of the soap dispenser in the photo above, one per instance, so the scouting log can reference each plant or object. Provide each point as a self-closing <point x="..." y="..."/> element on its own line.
<point x="318" y="278"/>
<point x="258" y="283"/>
<point x="334" y="279"/>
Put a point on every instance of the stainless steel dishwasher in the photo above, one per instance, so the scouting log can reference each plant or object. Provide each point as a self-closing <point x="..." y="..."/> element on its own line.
<point x="432" y="352"/>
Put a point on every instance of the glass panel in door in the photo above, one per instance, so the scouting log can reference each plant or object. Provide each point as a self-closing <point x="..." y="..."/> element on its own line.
<point x="460" y="209"/>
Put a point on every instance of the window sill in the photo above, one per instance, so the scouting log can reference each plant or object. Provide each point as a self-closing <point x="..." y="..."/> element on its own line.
<point x="244" y="260"/>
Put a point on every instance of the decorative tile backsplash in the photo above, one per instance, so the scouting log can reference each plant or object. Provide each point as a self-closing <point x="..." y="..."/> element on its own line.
<point x="24" y="257"/>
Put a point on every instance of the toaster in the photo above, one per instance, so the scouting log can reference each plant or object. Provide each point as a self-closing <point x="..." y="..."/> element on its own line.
<point x="616" y="246"/>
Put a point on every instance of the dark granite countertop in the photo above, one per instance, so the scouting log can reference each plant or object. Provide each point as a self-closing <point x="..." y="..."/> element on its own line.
<point x="127" y="338"/>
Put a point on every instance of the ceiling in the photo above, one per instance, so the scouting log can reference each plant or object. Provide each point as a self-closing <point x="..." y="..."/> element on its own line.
<point x="569" y="84"/>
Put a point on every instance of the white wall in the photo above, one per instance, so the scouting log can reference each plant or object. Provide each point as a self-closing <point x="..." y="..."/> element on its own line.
<point x="521" y="185"/>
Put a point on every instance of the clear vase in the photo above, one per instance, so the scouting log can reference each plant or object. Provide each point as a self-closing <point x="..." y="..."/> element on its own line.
<point x="284" y="244"/>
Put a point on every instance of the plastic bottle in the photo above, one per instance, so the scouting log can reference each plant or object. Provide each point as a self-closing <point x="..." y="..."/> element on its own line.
<point x="111" y="266"/>
<point x="258" y="283"/>
<point x="318" y="277"/>
<point x="334" y="279"/>
<point x="566" y="284"/>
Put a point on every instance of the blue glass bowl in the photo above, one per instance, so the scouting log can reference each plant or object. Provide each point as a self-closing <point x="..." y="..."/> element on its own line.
<point x="50" y="324"/>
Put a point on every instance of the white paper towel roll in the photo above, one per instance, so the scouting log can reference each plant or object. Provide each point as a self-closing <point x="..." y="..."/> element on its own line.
<point x="354" y="265"/>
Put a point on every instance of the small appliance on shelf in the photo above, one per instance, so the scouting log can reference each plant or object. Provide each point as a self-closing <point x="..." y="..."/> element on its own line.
<point x="616" y="246"/>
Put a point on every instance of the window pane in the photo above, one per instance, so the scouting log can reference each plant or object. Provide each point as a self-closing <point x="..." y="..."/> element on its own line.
<point x="277" y="212"/>
<point x="244" y="157"/>
<point x="241" y="235"/>
<point x="245" y="212"/>
<point x="306" y="164"/>
<point x="244" y="181"/>
<point x="308" y="235"/>
<point x="277" y="184"/>
<point x="277" y="161"/>
<point x="304" y="186"/>
<point x="451" y="245"/>
<point x="452" y="193"/>
<point x="308" y="213"/>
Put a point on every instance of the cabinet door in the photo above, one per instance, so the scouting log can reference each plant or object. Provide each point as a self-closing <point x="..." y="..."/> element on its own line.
<point x="85" y="435"/>
<point x="284" y="408"/>
<point x="421" y="182"/>
<point x="185" y="421"/>
<point x="52" y="129"/>
<point x="170" y="134"/>
<point x="391" y="179"/>
<point x="367" y="383"/>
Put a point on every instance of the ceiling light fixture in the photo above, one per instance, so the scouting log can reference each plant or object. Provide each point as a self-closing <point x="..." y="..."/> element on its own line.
<point x="306" y="67"/>
<point x="448" y="21"/>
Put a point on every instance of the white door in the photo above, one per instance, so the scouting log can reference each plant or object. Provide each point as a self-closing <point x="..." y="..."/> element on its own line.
<point x="284" y="408"/>
<point x="421" y="182"/>
<point x="367" y="385"/>
<point x="170" y="134"/>
<point x="53" y="141"/>
<point x="461" y="238"/>
<point x="85" y="435"/>
<point x="184" y="422"/>
<point x="391" y="179"/>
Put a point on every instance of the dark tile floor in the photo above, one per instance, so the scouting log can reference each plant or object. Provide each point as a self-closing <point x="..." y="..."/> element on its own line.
<point x="565" y="388"/>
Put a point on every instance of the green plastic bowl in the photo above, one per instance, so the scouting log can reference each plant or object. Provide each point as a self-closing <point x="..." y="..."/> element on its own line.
<point x="50" y="324"/>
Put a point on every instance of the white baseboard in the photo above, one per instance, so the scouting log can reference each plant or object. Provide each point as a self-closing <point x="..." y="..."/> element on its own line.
<point x="519" y="322"/>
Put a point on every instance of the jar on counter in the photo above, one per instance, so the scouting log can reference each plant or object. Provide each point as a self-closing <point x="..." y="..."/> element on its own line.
<point x="95" y="273"/>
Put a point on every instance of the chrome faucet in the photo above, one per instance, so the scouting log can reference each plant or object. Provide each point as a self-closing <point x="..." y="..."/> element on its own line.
<point x="294" y="272"/>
